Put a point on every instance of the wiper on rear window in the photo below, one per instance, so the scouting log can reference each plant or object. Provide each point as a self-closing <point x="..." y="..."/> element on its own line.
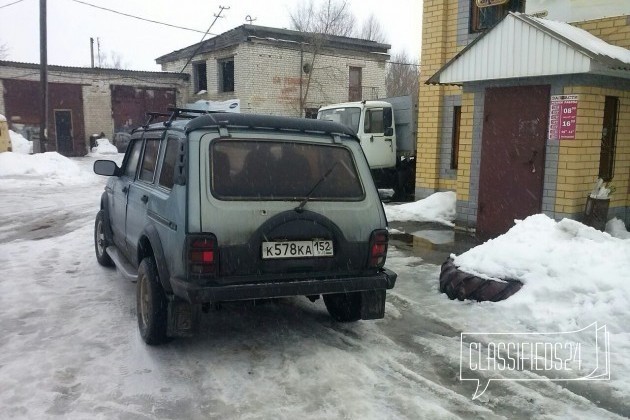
<point x="300" y="207"/>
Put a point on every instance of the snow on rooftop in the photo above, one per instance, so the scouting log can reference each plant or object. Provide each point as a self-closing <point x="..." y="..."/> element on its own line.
<point x="585" y="39"/>
<point x="3" y="118"/>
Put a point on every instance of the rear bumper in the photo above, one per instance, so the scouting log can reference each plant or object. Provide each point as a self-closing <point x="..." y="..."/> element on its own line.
<point x="193" y="293"/>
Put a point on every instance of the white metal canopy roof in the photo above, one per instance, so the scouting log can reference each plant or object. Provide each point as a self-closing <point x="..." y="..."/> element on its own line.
<point x="524" y="46"/>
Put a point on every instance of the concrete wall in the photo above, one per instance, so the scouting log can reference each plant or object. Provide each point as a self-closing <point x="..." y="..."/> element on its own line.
<point x="95" y="86"/>
<point x="268" y="77"/>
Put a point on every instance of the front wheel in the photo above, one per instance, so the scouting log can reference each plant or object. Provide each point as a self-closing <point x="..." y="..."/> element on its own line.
<point x="151" y="304"/>
<point x="344" y="307"/>
<point x="100" y="241"/>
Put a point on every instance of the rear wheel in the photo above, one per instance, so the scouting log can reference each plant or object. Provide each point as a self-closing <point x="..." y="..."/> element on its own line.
<point x="344" y="307"/>
<point x="100" y="241"/>
<point x="151" y="304"/>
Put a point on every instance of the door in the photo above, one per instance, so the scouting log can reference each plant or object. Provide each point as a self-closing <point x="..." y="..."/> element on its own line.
<point x="119" y="191"/>
<point x="140" y="195"/>
<point x="63" y="132"/>
<point x="354" y="84"/>
<point x="379" y="148"/>
<point x="512" y="157"/>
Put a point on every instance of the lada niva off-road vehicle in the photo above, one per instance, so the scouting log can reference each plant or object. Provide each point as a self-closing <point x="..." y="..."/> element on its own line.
<point x="223" y="207"/>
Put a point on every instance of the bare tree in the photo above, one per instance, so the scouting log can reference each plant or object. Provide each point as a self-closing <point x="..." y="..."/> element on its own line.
<point x="403" y="76"/>
<point x="4" y="51"/>
<point x="372" y="30"/>
<point x="111" y="60"/>
<point x="331" y="17"/>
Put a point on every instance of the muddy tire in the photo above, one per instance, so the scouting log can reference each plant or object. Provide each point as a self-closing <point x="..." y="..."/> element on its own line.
<point x="151" y="304"/>
<point x="100" y="241"/>
<point x="460" y="285"/>
<point x="344" y="307"/>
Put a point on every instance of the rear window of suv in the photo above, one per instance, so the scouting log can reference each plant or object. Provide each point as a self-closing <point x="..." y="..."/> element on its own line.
<point x="281" y="170"/>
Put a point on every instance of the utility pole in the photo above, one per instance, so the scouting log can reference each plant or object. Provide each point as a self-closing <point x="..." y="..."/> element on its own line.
<point x="92" y="50"/>
<point x="39" y="144"/>
<point x="216" y="17"/>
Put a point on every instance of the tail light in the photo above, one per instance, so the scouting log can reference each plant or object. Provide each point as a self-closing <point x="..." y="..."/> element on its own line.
<point x="202" y="255"/>
<point x="378" y="248"/>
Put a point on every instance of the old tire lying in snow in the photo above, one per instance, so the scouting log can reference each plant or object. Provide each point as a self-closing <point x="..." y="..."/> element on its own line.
<point x="458" y="284"/>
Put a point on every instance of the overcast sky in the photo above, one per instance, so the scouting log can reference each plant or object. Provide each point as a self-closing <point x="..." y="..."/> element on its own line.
<point x="71" y="24"/>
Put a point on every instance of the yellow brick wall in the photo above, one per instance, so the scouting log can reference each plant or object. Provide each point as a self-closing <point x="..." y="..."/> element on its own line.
<point x="614" y="30"/>
<point x="439" y="44"/>
<point x="578" y="160"/>
<point x="465" y="147"/>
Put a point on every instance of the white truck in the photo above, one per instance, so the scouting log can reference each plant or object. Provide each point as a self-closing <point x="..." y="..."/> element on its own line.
<point x="387" y="132"/>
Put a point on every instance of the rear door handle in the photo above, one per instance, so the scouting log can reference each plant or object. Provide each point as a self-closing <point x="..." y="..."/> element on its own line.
<point x="145" y="199"/>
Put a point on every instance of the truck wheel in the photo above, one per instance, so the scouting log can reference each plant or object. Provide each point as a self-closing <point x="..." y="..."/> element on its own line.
<point x="458" y="284"/>
<point x="151" y="304"/>
<point x="100" y="241"/>
<point x="344" y="307"/>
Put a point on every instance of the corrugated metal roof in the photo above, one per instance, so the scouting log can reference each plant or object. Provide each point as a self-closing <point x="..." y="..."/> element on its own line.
<point x="524" y="46"/>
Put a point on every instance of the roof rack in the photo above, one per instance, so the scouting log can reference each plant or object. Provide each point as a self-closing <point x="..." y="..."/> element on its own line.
<point x="177" y="113"/>
<point x="151" y="116"/>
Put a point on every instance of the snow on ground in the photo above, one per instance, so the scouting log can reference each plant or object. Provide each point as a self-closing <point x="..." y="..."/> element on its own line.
<point x="573" y="275"/>
<point x="438" y="207"/>
<point x="571" y="272"/>
<point x="69" y="345"/>
<point x="616" y="228"/>
<point x="41" y="165"/>
<point x="19" y="144"/>
<point x="104" y="147"/>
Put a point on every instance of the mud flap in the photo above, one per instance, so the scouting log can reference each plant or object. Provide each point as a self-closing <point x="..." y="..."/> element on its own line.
<point x="183" y="318"/>
<point x="373" y="304"/>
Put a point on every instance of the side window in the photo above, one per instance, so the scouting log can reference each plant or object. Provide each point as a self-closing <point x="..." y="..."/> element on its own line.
<point x="168" y="166"/>
<point x="132" y="159"/>
<point x="200" y="76"/>
<point x="149" y="160"/>
<point x="373" y="121"/>
<point x="226" y="75"/>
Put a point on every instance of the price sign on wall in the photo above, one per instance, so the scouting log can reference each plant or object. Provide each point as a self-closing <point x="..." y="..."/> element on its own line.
<point x="563" y="117"/>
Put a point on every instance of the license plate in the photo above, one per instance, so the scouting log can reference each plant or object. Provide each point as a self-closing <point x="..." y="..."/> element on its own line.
<point x="297" y="249"/>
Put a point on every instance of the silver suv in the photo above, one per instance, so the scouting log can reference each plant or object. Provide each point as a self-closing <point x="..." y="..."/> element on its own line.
<point x="222" y="207"/>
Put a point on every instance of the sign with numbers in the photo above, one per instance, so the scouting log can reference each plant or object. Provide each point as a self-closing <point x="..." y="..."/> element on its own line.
<point x="563" y="117"/>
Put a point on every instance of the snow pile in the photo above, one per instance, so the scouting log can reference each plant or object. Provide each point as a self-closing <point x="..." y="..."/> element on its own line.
<point x="438" y="207"/>
<point x="616" y="228"/>
<point x="19" y="144"/>
<point x="572" y="274"/>
<point x="44" y="165"/>
<point x="104" y="147"/>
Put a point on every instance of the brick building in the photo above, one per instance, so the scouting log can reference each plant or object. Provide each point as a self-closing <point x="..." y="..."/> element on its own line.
<point x="281" y="72"/>
<point x="84" y="101"/>
<point x="520" y="114"/>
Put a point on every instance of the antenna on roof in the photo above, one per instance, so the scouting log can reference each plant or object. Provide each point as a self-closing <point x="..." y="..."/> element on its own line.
<point x="216" y="17"/>
<point x="249" y="19"/>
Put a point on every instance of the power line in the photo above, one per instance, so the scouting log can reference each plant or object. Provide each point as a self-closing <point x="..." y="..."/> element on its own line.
<point x="136" y="17"/>
<point x="216" y="17"/>
<point x="11" y="4"/>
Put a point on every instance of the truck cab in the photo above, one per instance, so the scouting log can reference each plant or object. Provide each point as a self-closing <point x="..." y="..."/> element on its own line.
<point x="386" y="132"/>
<point x="373" y="122"/>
